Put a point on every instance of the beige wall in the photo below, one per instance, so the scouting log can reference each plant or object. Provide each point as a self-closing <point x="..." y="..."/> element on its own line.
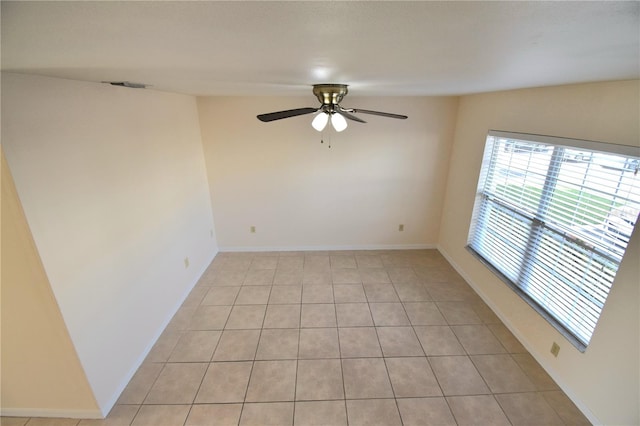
<point x="604" y="379"/>
<point x="41" y="372"/>
<point x="114" y="189"/>
<point x="300" y="194"/>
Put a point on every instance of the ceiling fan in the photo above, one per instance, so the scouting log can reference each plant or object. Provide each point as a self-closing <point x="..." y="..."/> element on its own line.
<point x="330" y="96"/>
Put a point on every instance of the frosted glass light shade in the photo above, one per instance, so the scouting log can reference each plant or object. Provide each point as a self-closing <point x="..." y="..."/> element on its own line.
<point x="320" y="121"/>
<point x="338" y="122"/>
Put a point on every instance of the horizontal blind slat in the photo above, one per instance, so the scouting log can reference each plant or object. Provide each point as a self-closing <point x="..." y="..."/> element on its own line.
<point x="553" y="220"/>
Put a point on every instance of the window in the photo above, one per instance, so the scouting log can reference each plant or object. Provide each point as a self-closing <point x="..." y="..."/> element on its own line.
<point x="552" y="219"/>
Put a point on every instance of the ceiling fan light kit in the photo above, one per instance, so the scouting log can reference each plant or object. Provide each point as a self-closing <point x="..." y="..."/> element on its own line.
<point x="330" y="96"/>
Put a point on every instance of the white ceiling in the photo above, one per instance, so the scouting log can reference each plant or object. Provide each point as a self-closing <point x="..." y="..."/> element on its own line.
<point x="281" y="48"/>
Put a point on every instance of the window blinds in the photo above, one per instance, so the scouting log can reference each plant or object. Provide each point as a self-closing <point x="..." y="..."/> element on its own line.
<point x="553" y="219"/>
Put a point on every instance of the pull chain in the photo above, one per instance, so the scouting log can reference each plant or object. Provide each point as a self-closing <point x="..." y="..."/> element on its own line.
<point x="322" y="139"/>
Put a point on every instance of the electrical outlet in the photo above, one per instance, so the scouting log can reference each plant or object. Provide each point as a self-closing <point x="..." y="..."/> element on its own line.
<point x="186" y="262"/>
<point x="252" y="229"/>
<point x="555" y="349"/>
<point x="401" y="227"/>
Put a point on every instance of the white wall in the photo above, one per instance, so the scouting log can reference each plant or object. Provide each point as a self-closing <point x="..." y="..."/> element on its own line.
<point x="114" y="189"/>
<point x="603" y="381"/>
<point x="300" y="194"/>
<point x="41" y="372"/>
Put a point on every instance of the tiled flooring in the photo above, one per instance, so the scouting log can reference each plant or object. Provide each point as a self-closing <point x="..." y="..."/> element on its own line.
<point x="336" y="338"/>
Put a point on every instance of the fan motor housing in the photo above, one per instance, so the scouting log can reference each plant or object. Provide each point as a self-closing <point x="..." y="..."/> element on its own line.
<point x="330" y="94"/>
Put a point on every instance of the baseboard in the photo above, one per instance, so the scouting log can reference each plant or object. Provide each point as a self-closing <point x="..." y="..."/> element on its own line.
<point x="112" y="401"/>
<point x="53" y="412"/>
<point x="590" y="416"/>
<point x="363" y="247"/>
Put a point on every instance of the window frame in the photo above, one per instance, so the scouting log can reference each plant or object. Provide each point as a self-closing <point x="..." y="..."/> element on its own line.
<point x="563" y="143"/>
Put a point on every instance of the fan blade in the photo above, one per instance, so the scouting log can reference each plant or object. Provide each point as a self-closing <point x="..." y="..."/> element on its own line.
<point x="351" y="117"/>
<point x="279" y="115"/>
<point x="382" y="114"/>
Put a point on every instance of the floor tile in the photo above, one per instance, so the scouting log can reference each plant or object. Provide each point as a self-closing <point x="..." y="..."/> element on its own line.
<point x="210" y="318"/>
<point x="14" y="421"/>
<point x="349" y="293"/>
<point x="318" y="315"/>
<point x="353" y="315"/>
<point x="195" y="297"/>
<point x="316" y="262"/>
<point x="412" y="377"/>
<point x="458" y="376"/>
<point x="264" y="262"/>
<point x="535" y="372"/>
<point x="396" y="260"/>
<point x="236" y="261"/>
<point x="140" y="384"/>
<point x="320" y="413"/>
<point x="477" y="410"/>
<point x="288" y="277"/>
<point x="290" y="262"/>
<point x="338" y="262"/>
<point x="366" y="378"/>
<point x="403" y="276"/>
<point x="214" y="415"/>
<point x="310" y="330"/>
<point x="51" y="421"/>
<point x="528" y="409"/>
<point x="374" y="276"/>
<point x="565" y="408"/>
<point x="182" y="319"/>
<point x="221" y="296"/>
<point x="345" y="276"/>
<point x="163" y="347"/>
<point x="359" y="342"/>
<point x="506" y="338"/>
<point x="399" y="341"/>
<point x="477" y="339"/>
<point x="246" y="317"/>
<point x="412" y="293"/>
<point x="317" y="294"/>
<point x="369" y="261"/>
<point x="267" y="414"/>
<point x="177" y="384"/>
<point x="253" y="295"/>
<point x="259" y="277"/>
<point x="237" y="345"/>
<point x="373" y="412"/>
<point x="485" y="313"/>
<point x="425" y="412"/>
<point x="388" y="314"/>
<point x="284" y="294"/>
<point x="166" y="415"/>
<point x="319" y="379"/>
<point x="502" y="374"/>
<point x="316" y="276"/>
<point x="438" y="340"/>
<point x="228" y="277"/>
<point x="451" y="292"/>
<point x="278" y="344"/>
<point x="195" y="346"/>
<point x="272" y="381"/>
<point x="120" y="415"/>
<point x="458" y="313"/>
<point x="282" y="316"/>
<point x="424" y="313"/>
<point x="224" y="382"/>
<point x="319" y="343"/>
<point x="380" y="293"/>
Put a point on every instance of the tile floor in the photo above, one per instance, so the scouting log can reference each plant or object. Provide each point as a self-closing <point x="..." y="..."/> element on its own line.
<point x="335" y="338"/>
